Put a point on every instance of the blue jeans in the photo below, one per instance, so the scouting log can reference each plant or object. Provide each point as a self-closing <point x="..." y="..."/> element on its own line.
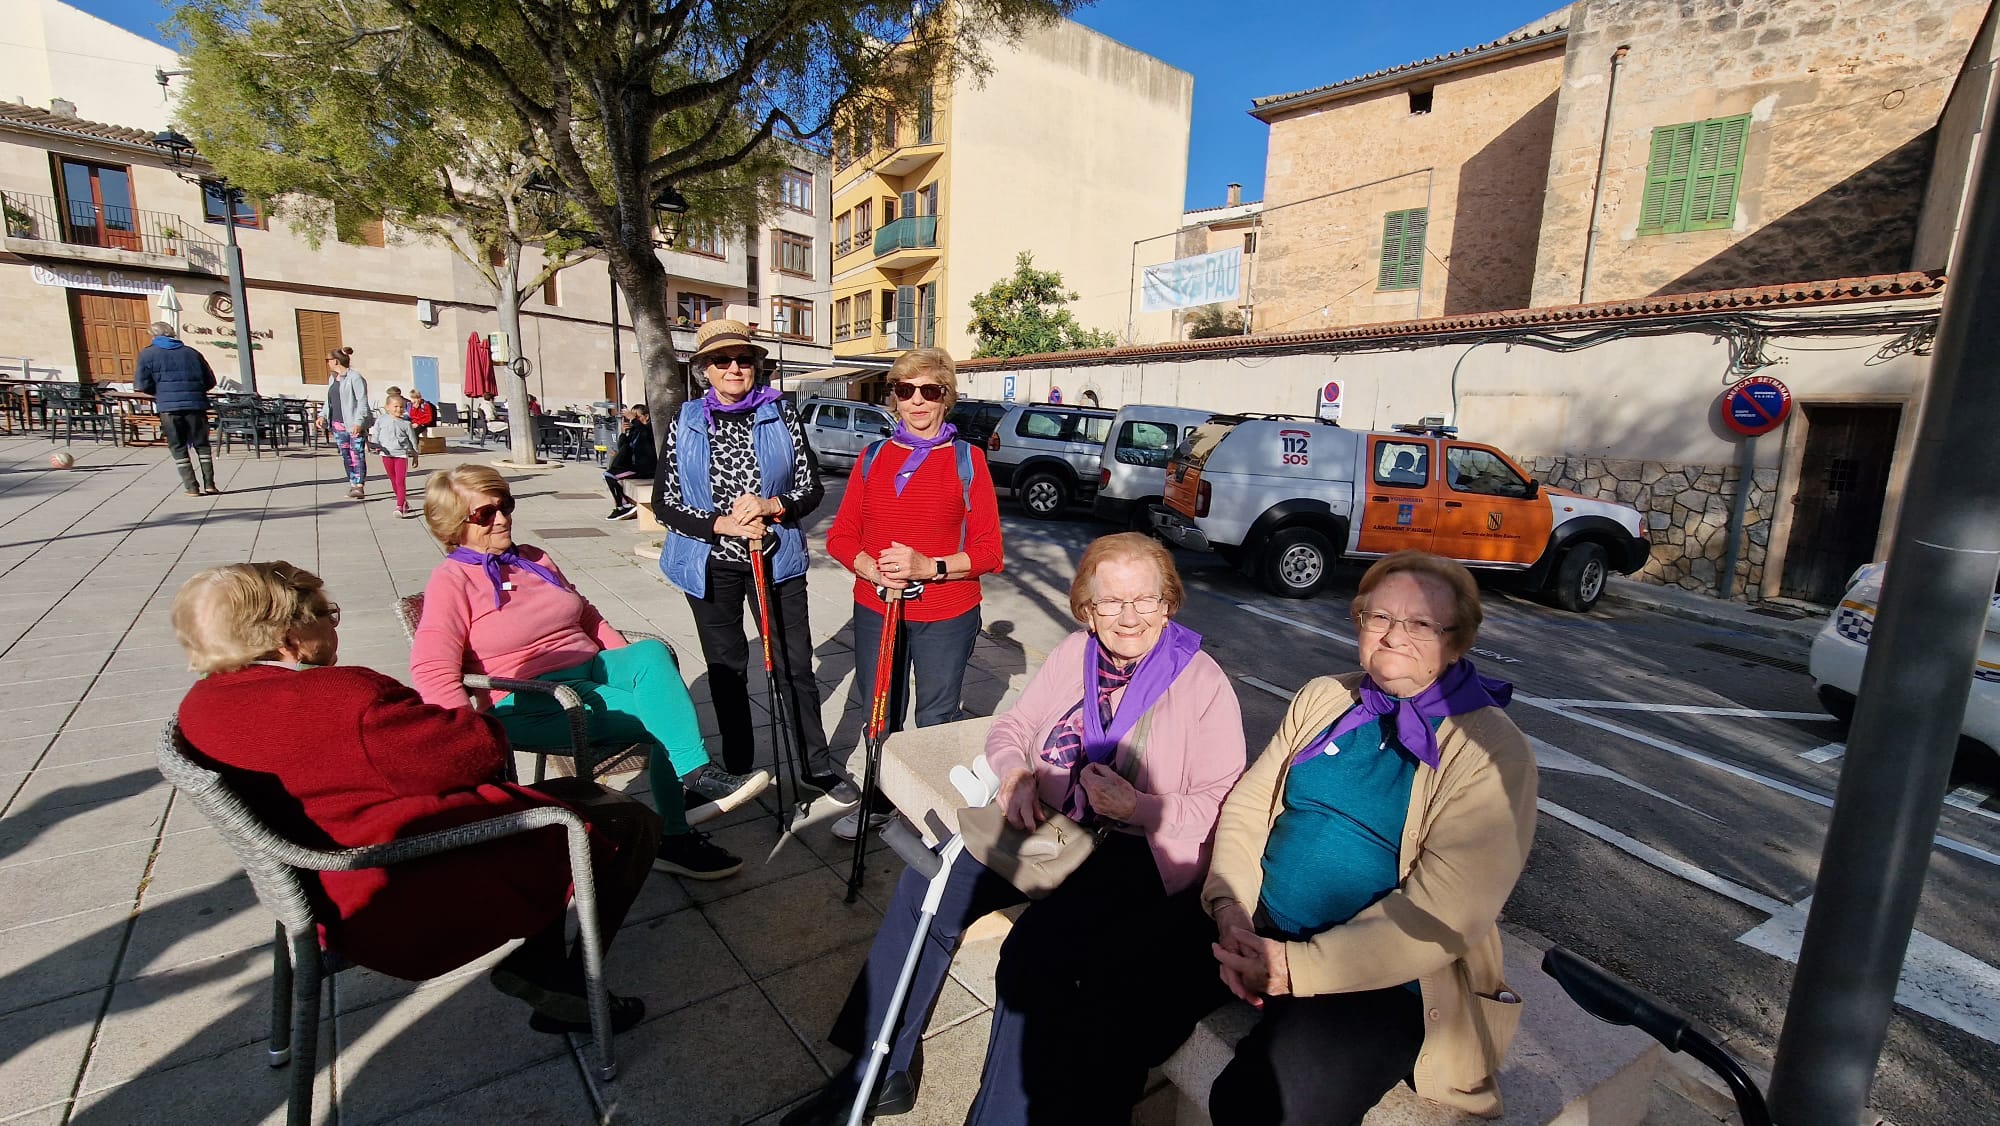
<point x="353" y="454"/>
<point x="938" y="651"/>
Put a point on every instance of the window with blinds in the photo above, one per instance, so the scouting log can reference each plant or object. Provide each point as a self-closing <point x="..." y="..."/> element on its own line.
<point x="1693" y="175"/>
<point x="319" y="334"/>
<point x="1402" y="265"/>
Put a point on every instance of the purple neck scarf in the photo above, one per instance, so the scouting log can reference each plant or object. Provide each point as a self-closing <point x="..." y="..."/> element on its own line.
<point x="920" y="448"/>
<point x="1461" y="689"/>
<point x="712" y="404"/>
<point x="1144" y="684"/>
<point x="492" y="565"/>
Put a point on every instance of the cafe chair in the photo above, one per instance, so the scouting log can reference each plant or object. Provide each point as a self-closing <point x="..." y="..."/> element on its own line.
<point x="589" y="759"/>
<point x="277" y="867"/>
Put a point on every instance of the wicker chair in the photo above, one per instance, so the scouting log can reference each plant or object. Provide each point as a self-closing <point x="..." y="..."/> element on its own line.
<point x="590" y="758"/>
<point x="298" y="965"/>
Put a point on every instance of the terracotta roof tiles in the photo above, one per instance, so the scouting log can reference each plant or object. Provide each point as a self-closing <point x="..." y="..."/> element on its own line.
<point x="1551" y="31"/>
<point x="1764" y="298"/>
<point x="41" y="119"/>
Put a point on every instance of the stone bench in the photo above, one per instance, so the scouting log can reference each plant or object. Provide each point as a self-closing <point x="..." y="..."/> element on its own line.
<point x="1565" y="1067"/>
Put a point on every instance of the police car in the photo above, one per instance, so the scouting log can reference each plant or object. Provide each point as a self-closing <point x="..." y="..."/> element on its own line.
<point x="1841" y="649"/>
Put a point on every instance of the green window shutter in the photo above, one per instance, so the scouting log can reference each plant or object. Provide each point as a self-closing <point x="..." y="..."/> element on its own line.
<point x="1664" y="206"/>
<point x="1402" y="264"/>
<point x="1717" y="172"/>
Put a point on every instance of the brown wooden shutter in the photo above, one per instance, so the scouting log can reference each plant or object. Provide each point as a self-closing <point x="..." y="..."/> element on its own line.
<point x="319" y="334"/>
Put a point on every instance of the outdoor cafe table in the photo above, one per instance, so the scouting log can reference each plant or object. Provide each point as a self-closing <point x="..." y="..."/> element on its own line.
<point x="134" y="411"/>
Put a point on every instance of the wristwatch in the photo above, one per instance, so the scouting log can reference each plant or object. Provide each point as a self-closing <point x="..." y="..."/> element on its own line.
<point x="940" y="567"/>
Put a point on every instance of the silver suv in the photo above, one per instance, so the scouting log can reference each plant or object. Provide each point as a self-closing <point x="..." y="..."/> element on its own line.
<point x="1134" y="474"/>
<point x="838" y="430"/>
<point x="1048" y="453"/>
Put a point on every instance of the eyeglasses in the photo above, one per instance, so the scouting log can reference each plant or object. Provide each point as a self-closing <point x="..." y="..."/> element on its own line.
<point x="485" y="514"/>
<point x="748" y="360"/>
<point x="1115" y="607"/>
<point x="1418" y="629"/>
<point x="932" y="392"/>
<point x="332" y="613"/>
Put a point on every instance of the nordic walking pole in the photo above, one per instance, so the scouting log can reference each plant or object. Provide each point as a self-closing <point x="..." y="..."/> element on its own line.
<point x="878" y="724"/>
<point x="785" y="753"/>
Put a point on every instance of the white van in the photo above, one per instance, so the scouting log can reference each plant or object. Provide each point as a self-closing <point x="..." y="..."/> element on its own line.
<point x="1132" y="473"/>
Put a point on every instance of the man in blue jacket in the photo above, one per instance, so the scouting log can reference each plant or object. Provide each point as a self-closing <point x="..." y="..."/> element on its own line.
<point x="179" y="378"/>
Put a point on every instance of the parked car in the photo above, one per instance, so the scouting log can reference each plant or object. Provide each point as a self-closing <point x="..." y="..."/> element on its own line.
<point x="1132" y="470"/>
<point x="1283" y="498"/>
<point x="1048" y="454"/>
<point x="976" y="418"/>
<point x="838" y="430"/>
<point x="1841" y="649"/>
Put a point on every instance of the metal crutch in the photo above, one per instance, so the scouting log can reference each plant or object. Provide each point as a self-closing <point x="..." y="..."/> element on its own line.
<point x="878" y="723"/>
<point x="789" y="754"/>
<point x="977" y="789"/>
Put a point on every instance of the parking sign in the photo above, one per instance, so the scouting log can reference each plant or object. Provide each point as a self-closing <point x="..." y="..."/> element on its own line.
<point x="1007" y="388"/>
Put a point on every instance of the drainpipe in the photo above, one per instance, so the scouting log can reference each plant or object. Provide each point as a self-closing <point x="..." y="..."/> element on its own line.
<point x="1597" y="188"/>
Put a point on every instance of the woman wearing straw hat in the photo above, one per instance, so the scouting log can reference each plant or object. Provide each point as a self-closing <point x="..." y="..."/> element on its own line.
<point x="734" y="475"/>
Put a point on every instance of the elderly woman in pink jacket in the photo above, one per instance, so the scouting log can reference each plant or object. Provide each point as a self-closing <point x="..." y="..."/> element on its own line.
<point x="1128" y="727"/>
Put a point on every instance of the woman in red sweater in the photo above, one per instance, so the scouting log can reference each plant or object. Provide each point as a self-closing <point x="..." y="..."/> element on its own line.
<point x="909" y="522"/>
<point x="336" y="757"/>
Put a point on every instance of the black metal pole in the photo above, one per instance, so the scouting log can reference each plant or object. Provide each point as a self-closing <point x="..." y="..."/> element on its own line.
<point x="239" y="299"/>
<point x="1913" y="691"/>
<point x="617" y="360"/>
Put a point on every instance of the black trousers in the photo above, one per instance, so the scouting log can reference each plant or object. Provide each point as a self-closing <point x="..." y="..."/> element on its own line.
<point x="1097" y="983"/>
<point x="1323" y="1061"/>
<point x="184" y="430"/>
<point x="633" y="832"/>
<point x="718" y="620"/>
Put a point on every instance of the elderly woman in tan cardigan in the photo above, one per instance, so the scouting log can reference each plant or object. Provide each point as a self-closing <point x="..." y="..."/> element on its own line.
<point x="1360" y="868"/>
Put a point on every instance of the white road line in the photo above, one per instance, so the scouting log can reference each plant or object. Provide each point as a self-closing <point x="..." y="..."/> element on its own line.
<point x="1967" y="797"/>
<point x="1938" y="979"/>
<point x="1826" y="753"/>
<point x="1295" y="624"/>
<point x="1686" y="709"/>
<point x="1551" y="758"/>
<point x="1263" y="685"/>
<point x="1673" y="865"/>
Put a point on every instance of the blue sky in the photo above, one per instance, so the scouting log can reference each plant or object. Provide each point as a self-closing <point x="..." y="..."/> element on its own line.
<point x="1237" y="50"/>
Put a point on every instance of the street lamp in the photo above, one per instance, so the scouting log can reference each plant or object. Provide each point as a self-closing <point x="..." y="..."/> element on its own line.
<point x="180" y="157"/>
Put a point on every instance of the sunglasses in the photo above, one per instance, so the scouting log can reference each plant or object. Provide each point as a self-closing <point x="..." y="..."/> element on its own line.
<point x="741" y="361"/>
<point x="485" y="514"/>
<point x="932" y="392"/>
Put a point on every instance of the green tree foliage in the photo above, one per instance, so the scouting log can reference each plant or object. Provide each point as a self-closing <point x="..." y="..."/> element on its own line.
<point x="626" y="99"/>
<point x="1028" y="314"/>
<point x="1212" y="321"/>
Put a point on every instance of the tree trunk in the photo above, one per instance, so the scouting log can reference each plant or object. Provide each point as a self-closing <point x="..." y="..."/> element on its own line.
<point x="644" y="281"/>
<point x="520" y="422"/>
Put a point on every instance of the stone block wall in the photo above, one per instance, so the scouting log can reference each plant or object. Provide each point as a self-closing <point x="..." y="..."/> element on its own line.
<point x="1686" y="511"/>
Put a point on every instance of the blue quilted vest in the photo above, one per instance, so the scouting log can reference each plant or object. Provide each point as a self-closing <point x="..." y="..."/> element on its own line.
<point x="685" y="560"/>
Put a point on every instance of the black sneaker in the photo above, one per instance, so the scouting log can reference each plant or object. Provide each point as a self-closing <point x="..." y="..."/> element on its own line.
<point x="690" y="854"/>
<point x="833" y="788"/>
<point x="620" y="512"/>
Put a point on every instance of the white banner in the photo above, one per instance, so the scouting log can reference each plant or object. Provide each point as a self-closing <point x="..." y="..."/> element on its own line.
<point x="110" y="281"/>
<point x="1184" y="283"/>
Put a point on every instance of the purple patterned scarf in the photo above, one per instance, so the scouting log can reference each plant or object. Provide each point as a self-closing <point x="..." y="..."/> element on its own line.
<point x="712" y="404"/>
<point x="1091" y="734"/>
<point x="492" y="565"/>
<point x="1461" y="689"/>
<point x="920" y="448"/>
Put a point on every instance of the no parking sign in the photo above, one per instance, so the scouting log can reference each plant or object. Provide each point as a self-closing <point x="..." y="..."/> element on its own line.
<point x="1756" y="406"/>
<point x="1329" y="401"/>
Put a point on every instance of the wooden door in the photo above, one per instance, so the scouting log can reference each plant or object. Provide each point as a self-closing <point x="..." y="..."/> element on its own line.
<point x="110" y="330"/>
<point x="613" y="393"/>
<point x="319" y="334"/>
<point x="98" y="205"/>
<point x="1400" y="502"/>
<point x="1837" y="513"/>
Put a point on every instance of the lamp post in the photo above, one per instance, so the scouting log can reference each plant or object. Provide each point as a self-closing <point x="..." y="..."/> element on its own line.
<point x="180" y="157"/>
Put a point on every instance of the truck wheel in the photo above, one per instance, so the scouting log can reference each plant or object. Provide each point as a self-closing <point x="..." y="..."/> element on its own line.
<point x="1580" y="579"/>
<point x="1042" y="496"/>
<point x="1296" y="563"/>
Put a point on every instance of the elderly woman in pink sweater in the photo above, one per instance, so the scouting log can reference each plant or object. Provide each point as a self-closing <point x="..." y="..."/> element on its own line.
<point x="505" y="610"/>
<point x="1128" y="727"/>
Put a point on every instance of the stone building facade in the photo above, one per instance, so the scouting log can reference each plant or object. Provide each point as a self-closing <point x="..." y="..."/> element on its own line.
<point x="1687" y="510"/>
<point x="1837" y="102"/>
<point x="1411" y="192"/>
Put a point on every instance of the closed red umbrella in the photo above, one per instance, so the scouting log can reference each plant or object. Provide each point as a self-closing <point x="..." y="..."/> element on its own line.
<point x="479" y="382"/>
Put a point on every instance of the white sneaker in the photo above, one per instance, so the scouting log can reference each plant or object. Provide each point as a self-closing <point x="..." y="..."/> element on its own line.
<point x="849" y="827"/>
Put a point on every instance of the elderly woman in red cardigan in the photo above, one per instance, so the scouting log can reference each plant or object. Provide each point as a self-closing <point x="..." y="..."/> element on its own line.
<point x="343" y="757"/>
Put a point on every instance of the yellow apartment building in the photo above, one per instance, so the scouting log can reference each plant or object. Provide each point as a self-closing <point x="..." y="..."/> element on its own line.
<point x="1073" y="147"/>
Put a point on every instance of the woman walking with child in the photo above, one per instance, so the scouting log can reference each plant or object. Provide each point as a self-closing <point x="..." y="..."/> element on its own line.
<point x="347" y="416"/>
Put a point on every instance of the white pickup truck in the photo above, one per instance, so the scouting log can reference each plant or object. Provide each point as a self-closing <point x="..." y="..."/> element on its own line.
<point x="1282" y="498"/>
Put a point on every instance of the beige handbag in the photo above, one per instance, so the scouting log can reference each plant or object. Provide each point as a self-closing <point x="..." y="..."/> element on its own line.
<point x="1037" y="862"/>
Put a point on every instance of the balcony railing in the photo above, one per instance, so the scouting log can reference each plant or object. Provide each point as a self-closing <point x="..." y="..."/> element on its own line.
<point x="908" y="233"/>
<point x="842" y="247"/>
<point x="77" y="223"/>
